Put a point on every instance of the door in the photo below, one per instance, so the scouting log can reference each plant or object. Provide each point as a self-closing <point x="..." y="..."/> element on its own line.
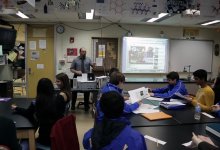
<point x="40" y="56"/>
<point x="107" y="50"/>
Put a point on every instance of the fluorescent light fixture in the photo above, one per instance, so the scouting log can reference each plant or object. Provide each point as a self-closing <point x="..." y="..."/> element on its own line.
<point x="211" y="22"/>
<point x="161" y="15"/>
<point x="20" y="14"/>
<point x="90" y="14"/>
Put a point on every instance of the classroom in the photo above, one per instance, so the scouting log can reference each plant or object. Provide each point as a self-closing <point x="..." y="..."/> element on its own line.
<point x="144" y="39"/>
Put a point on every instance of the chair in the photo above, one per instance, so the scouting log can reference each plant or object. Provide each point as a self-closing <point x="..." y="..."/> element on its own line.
<point x="64" y="134"/>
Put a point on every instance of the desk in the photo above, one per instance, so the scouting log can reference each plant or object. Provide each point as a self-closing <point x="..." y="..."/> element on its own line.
<point x="25" y="129"/>
<point x="180" y="117"/>
<point x="174" y="131"/>
<point x="175" y="136"/>
<point x="93" y="91"/>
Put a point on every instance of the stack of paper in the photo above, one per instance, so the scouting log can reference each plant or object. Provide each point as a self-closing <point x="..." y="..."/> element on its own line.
<point x="138" y="94"/>
<point x="172" y="105"/>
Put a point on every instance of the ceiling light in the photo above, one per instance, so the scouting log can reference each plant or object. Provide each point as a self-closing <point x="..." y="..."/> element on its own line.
<point x="90" y="15"/>
<point x="161" y="15"/>
<point x="211" y="22"/>
<point x="20" y="14"/>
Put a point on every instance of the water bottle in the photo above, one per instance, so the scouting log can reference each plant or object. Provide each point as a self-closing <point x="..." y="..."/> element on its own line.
<point x="197" y="114"/>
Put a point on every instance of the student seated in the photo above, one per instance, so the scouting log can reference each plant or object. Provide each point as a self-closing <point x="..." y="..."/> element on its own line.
<point x="44" y="111"/>
<point x="174" y="86"/>
<point x="114" y="132"/>
<point x="115" y="83"/>
<point x="216" y="89"/>
<point x="216" y="109"/>
<point x="63" y="83"/>
<point x="8" y="138"/>
<point x="205" y="95"/>
<point x="203" y="143"/>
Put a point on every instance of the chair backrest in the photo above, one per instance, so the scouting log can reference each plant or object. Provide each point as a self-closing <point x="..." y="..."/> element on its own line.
<point x="64" y="134"/>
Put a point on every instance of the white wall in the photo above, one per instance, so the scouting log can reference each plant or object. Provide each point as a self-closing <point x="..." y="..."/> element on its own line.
<point x="83" y="39"/>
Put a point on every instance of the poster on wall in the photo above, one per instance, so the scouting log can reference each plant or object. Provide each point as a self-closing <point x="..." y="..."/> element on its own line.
<point x="35" y="55"/>
<point x="71" y="54"/>
<point x="101" y="51"/>
<point x="42" y="44"/>
<point x="32" y="45"/>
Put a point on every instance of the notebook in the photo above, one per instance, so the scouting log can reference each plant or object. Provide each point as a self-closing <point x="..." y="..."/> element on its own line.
<point x="156" y="116"/>
<point x="172" y="105"/>
<point x="214" y="128"/>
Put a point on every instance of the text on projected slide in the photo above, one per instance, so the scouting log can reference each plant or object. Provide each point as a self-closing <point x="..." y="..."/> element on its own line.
<point x="144" y="55"/>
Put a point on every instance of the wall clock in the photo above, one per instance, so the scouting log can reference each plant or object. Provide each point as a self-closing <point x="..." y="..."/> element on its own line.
<point x="60" y="29"/>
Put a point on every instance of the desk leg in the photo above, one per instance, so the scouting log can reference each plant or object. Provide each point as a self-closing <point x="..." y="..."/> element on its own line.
<point x="31" y="135"/>
<point x="27" y="134"/>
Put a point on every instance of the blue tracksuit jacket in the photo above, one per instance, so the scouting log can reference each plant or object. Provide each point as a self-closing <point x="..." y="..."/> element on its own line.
<point x="128" y="137"/>
<point x="128" y="108"/>
<point x="170" y="90"/>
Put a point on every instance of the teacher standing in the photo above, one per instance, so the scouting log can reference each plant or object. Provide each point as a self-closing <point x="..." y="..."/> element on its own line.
<point x="80" y="65"/>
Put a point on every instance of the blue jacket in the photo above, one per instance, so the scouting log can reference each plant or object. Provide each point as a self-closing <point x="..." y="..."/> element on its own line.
<point x="128" y="108"/>
<point x="218" y="112"/>
<point x="128" y="137"/>
<point x="170" y="90"/>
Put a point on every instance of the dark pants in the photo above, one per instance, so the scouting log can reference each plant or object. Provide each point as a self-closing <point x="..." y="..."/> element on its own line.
<point x="86" y="100"/>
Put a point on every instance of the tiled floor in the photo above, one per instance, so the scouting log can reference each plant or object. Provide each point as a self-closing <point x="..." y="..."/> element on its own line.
<point x="84" y="121"/>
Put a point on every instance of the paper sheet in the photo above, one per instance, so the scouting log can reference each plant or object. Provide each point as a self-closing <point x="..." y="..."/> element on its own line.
<point x="146" y="108"/>
<point x="32" y="45"/>
<point x="187" y="144"/>
<point x="138" y="94"/>
<point x="208" y="115"/>
<point x="155" y="140"/>
<point x="154" y="98"/>
<point x="99" y="61"/>
<point x="42" y="44"/>
<point x="5" y="99"/>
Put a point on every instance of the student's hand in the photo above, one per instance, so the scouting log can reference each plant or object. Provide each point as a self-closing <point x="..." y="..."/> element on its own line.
<point x="188" y="97"/>
<point x="215" y="108"/>
<point x="13" y="106"/>
<point x="195" y="140"/>
<point x="140" y="102"/>
<point x="206" y="139"/>
<point x="151" y="94"/>
<point x="200" y="138"/>
<point x="126" y="98"/>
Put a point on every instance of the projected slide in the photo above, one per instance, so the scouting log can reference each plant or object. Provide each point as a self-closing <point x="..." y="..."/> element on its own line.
<point x="144" y="55"/>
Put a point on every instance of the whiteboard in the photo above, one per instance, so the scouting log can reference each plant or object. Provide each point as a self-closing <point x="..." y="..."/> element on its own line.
<point x="197" y="53"/>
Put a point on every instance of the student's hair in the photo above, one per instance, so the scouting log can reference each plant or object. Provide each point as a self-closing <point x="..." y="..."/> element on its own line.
<point x="116" y="77"/>
<point x="66" y="88"/>
<point x="113" y="70"/>
<point x="173" y="75"/>
<point x="201" y="74"/>
<point x="112" y="104"/>
<point x="45" y="97"/>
